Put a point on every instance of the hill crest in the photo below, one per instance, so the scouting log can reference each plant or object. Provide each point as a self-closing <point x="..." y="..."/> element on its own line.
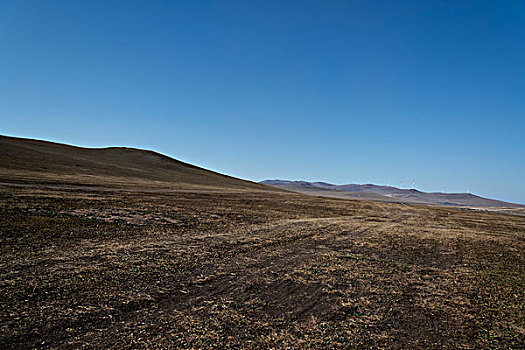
<point x="36" y="161"/>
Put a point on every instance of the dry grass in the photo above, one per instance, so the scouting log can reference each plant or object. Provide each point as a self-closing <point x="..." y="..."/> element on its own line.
<point x="111" y="269"/>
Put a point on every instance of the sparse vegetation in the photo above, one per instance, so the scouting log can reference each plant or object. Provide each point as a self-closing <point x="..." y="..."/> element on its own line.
<point x="149" y="252"/>
<point x="109" y="268"/>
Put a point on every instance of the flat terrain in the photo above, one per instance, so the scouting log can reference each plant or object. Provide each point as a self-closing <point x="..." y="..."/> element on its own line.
<point x="134" y="268"/>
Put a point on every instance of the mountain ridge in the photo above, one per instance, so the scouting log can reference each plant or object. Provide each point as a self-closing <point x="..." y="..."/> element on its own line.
<point x="386" y="193"/>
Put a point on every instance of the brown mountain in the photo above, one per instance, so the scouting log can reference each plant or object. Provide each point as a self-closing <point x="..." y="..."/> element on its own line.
<point x="33" y="161"/>
<point x="386" y="194"/>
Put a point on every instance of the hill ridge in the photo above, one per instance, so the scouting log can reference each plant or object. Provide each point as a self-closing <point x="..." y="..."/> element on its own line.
<point x="38" y="161"/>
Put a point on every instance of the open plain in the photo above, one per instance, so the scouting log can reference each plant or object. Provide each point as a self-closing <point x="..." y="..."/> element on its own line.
<point x="112" y="268"/>
<point x="100" y="266"/>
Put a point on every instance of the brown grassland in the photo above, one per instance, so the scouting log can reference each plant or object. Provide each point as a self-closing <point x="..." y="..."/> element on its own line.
<point x="97" y="267"/>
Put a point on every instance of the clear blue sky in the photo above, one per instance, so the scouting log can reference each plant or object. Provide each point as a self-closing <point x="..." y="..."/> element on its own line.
<point x="339" y="91"/>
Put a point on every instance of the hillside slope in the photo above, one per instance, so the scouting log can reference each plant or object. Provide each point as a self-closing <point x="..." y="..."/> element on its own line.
<point x="34" y="161"/>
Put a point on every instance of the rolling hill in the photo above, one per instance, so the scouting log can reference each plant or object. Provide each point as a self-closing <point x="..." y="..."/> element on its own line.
<point x="33" y="161"/>
<point x="41" y="162"/>
<point x="386" y="194"/>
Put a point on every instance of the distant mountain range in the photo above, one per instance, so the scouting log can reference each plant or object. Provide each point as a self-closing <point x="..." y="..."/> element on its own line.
<point x="386" y="194"/>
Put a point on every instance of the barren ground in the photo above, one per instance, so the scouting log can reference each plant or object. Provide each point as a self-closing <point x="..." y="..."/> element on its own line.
<point x="103" y="268"/>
